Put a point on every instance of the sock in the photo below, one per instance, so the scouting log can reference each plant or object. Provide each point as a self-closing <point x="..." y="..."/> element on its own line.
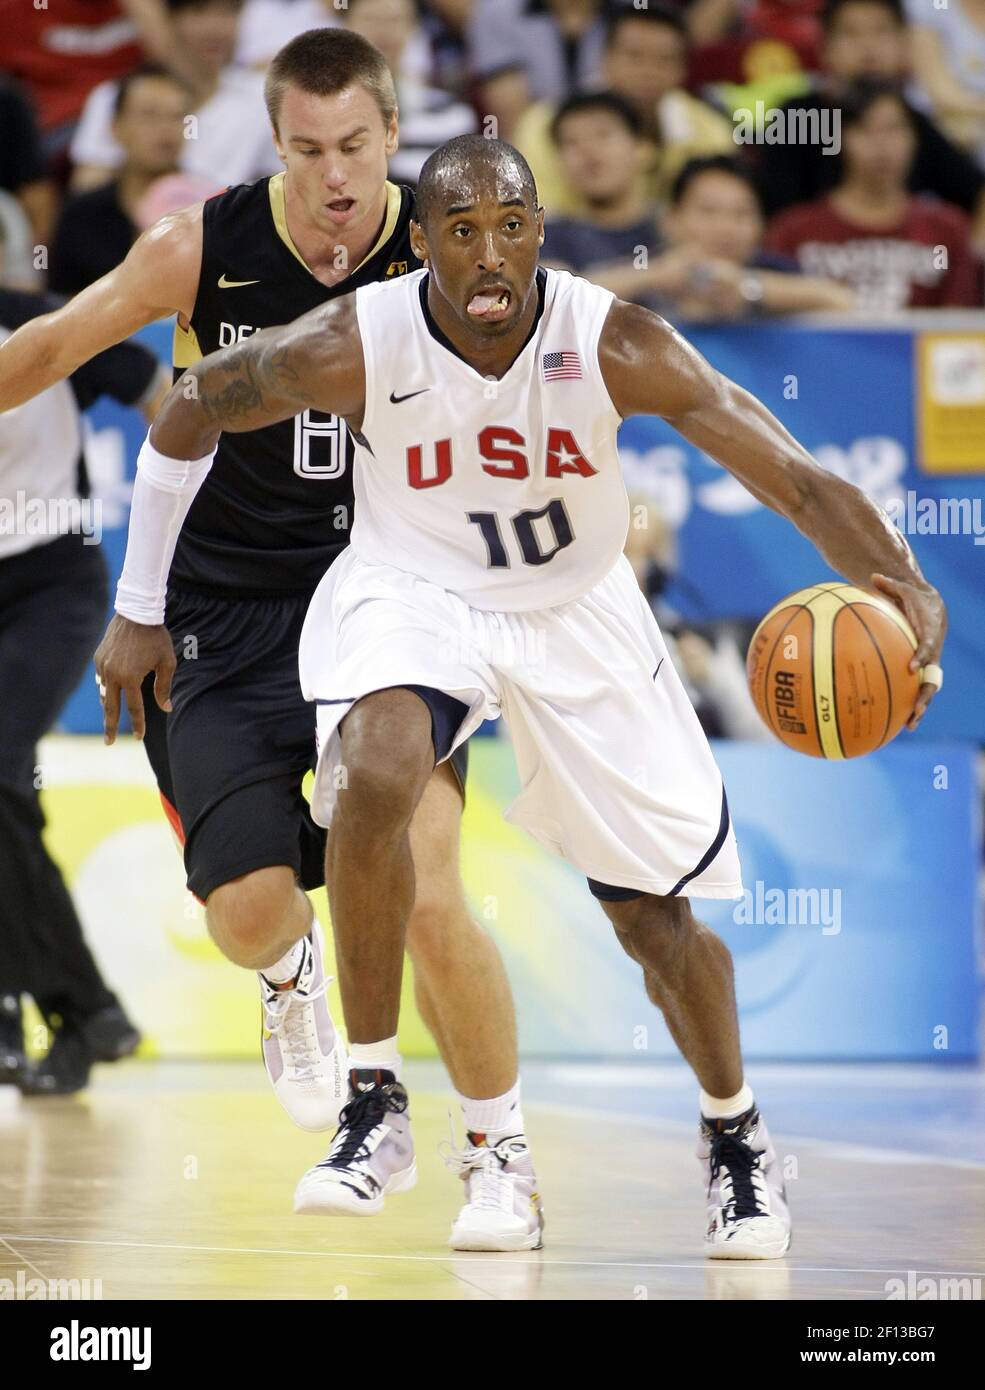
<point x="377" y="1056"/>
<point x="713" y="1109"/>
<point x="496" y="1117"/>
<point x="285" y="971"/>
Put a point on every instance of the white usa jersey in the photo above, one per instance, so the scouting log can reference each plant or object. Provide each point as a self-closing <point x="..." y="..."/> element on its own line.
<point x="508" y="493"/>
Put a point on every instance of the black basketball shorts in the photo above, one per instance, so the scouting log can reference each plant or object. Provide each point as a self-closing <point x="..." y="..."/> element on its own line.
<point x="231" y="756"/>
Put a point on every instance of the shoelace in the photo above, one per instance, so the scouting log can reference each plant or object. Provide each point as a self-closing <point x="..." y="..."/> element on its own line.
<point x="358" y="1120"/>
<point x="294" y="1027"/>
<point x="490" y="1186"/>
<point x="738" y="1166"/>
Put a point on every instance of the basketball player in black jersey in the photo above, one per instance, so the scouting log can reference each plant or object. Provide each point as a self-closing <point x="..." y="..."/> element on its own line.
<point x="228" y="735"/>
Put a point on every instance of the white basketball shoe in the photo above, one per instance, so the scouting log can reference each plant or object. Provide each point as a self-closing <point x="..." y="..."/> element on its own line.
<point x="302" y="1051"/>
<point x="748" y="1216"/>
<point x="372" y="1155"/>
<point x="502" y="1208"/>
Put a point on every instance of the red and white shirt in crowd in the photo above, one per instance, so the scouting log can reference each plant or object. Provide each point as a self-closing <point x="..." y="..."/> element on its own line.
<point x="924" y="261"/>
<point x="60" y="52"/>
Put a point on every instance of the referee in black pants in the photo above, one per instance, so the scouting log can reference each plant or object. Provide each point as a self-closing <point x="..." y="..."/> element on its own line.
<point x="53" y="603"/>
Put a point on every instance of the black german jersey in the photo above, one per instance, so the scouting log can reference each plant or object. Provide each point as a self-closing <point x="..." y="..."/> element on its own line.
<point x="276" y="508"/>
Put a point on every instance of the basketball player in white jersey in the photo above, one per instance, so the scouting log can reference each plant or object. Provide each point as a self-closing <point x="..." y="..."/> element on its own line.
<point x="486" y="568"/>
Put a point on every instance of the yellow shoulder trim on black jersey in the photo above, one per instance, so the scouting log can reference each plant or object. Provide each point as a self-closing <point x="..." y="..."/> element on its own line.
<point x="389" y="223"/>
<point x="278" y="209"/>
<point x="185" y="350"/>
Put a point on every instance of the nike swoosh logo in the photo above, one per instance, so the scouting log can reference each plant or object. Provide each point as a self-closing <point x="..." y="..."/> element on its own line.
<point x="225" y="284"/>
<point x="395" y="399"/>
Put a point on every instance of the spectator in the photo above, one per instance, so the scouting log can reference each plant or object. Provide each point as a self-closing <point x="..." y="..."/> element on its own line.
<point x="645" y="61"/>
<point x="60" y="52"/>
<point x="22" y="165"/>
<point x="711" y="664"/>
<point x="229" y="137"/>
<point x="98" y="227"/>
<point x="267" y="25"/>
<point x="715" y="267"/>
<point x="743" y="40"/>
<point x="897" y="250"/>
<point x="170" y="193"/>
<point x="867" y="39"/>
<point x="948" y="54"/>
<point x="524" y="51"/>
<point x="599" y="142"/>
<point x="446" y="23"/>
<point x="428" y="116"/>
<point x="709" y="660"/>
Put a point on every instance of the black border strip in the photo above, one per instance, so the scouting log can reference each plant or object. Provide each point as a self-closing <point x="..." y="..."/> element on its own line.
<point x="710" y="852"/>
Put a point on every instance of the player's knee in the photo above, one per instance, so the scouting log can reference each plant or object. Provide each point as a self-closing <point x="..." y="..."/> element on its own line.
<point x="378" y="800"/>
<point x="386" y="767"/>
<point x="245" y="917"/>
<point x="655" y="931"/>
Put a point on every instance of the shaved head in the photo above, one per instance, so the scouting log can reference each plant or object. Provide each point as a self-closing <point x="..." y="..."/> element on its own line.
<point x="463" y="169"/>
<point x="479" y="230"/>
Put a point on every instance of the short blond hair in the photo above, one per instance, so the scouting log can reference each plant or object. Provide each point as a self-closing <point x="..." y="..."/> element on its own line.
<point x="322" y="62"/>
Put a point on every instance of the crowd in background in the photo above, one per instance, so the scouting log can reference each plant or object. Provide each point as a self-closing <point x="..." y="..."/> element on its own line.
<point x="866" y="193"/>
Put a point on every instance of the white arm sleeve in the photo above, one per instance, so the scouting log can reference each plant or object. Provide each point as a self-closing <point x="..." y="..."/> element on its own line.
<point x="163" y="491"/>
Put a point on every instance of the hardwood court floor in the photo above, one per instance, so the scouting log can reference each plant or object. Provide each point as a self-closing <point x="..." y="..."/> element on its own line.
<point x="176" y="1180"/>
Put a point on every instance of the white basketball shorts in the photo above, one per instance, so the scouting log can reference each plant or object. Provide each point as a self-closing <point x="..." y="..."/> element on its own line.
<point x="616" y="773"/>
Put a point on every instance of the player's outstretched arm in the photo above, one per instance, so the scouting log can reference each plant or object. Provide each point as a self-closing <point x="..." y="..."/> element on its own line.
<point x="315" y="362"/>
<point x="650" y="369"/>
<point x="159" y="277"/>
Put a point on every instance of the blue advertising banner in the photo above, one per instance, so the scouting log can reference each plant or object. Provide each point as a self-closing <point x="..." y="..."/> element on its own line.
<point x="849" y="397"/>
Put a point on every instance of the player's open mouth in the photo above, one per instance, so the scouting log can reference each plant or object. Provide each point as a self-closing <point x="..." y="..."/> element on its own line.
<point x="491" y="304"/>
<point x="341" y="207"/>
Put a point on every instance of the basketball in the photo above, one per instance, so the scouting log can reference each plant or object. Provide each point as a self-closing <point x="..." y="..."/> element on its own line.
<point x="829" y="671"/>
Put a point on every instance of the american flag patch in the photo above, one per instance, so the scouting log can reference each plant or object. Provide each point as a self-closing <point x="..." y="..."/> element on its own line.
<point x="561" y="366"/>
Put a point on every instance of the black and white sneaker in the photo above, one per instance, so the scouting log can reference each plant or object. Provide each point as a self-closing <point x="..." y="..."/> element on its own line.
<point x="372" y="1154"/>
<point x="748" y="1216"/>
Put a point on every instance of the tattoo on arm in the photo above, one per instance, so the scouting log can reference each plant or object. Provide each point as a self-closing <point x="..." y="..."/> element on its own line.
<point x="248" y="382"/>
<point x="278" y="369"/>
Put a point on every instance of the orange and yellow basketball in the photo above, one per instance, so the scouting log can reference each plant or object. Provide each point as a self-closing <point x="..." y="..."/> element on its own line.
<point x="829" y="671"/>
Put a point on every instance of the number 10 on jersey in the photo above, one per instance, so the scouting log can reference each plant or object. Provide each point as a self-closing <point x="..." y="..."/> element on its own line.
<point x="528" y="536"/>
